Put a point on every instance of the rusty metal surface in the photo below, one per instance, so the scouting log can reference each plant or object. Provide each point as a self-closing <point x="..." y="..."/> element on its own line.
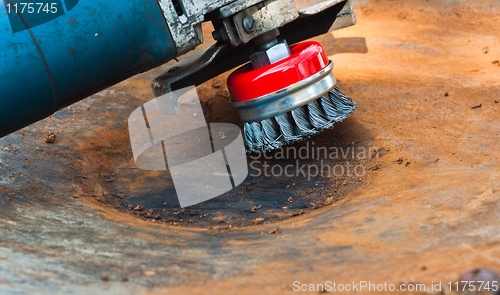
<point x="426" y="211"/>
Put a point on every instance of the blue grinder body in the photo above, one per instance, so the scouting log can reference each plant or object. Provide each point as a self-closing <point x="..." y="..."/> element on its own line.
<point x="48" y="61"/>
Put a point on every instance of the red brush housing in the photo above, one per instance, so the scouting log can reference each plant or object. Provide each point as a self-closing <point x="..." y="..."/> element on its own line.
<point x="306" y="59"/>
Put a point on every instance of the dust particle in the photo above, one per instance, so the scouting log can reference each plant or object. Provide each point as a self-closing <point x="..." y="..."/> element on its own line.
<point x="216" y="83"/>
<point x="119" y="195"/>
<point x="255" y="208"/>
<point x="224" y="93"/>
<point x="50" y="137"/>
<point x="275" y="231"/>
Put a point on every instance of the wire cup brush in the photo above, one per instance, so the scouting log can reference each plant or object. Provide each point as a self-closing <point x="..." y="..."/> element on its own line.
<point x="287" y="94"/>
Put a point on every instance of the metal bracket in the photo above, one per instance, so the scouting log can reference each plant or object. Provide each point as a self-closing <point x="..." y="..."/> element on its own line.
<point x="184" y="18"/>
<point x="264" y="16"/>
<point x="345" y="17"/>
<point x="220" y="57"/>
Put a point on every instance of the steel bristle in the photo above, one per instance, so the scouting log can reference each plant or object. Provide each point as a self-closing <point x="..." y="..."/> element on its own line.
<point x="317" y="116"/>
<point x="271" y="132"/>
<point x="298" y="124"/>
<point x="287" y="128"/>
<point x="302" y="123"/>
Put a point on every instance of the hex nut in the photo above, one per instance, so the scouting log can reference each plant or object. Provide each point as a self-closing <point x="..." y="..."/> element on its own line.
<point x="274" y="54"/>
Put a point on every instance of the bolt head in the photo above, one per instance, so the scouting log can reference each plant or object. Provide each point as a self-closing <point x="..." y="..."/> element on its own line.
<point x="274" y="54"/>
<point x="248" y="23"/>
<point x="216" y="35"/>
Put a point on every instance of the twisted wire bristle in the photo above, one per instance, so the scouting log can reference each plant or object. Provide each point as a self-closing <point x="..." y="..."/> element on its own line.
<point x="298" y="124"/>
